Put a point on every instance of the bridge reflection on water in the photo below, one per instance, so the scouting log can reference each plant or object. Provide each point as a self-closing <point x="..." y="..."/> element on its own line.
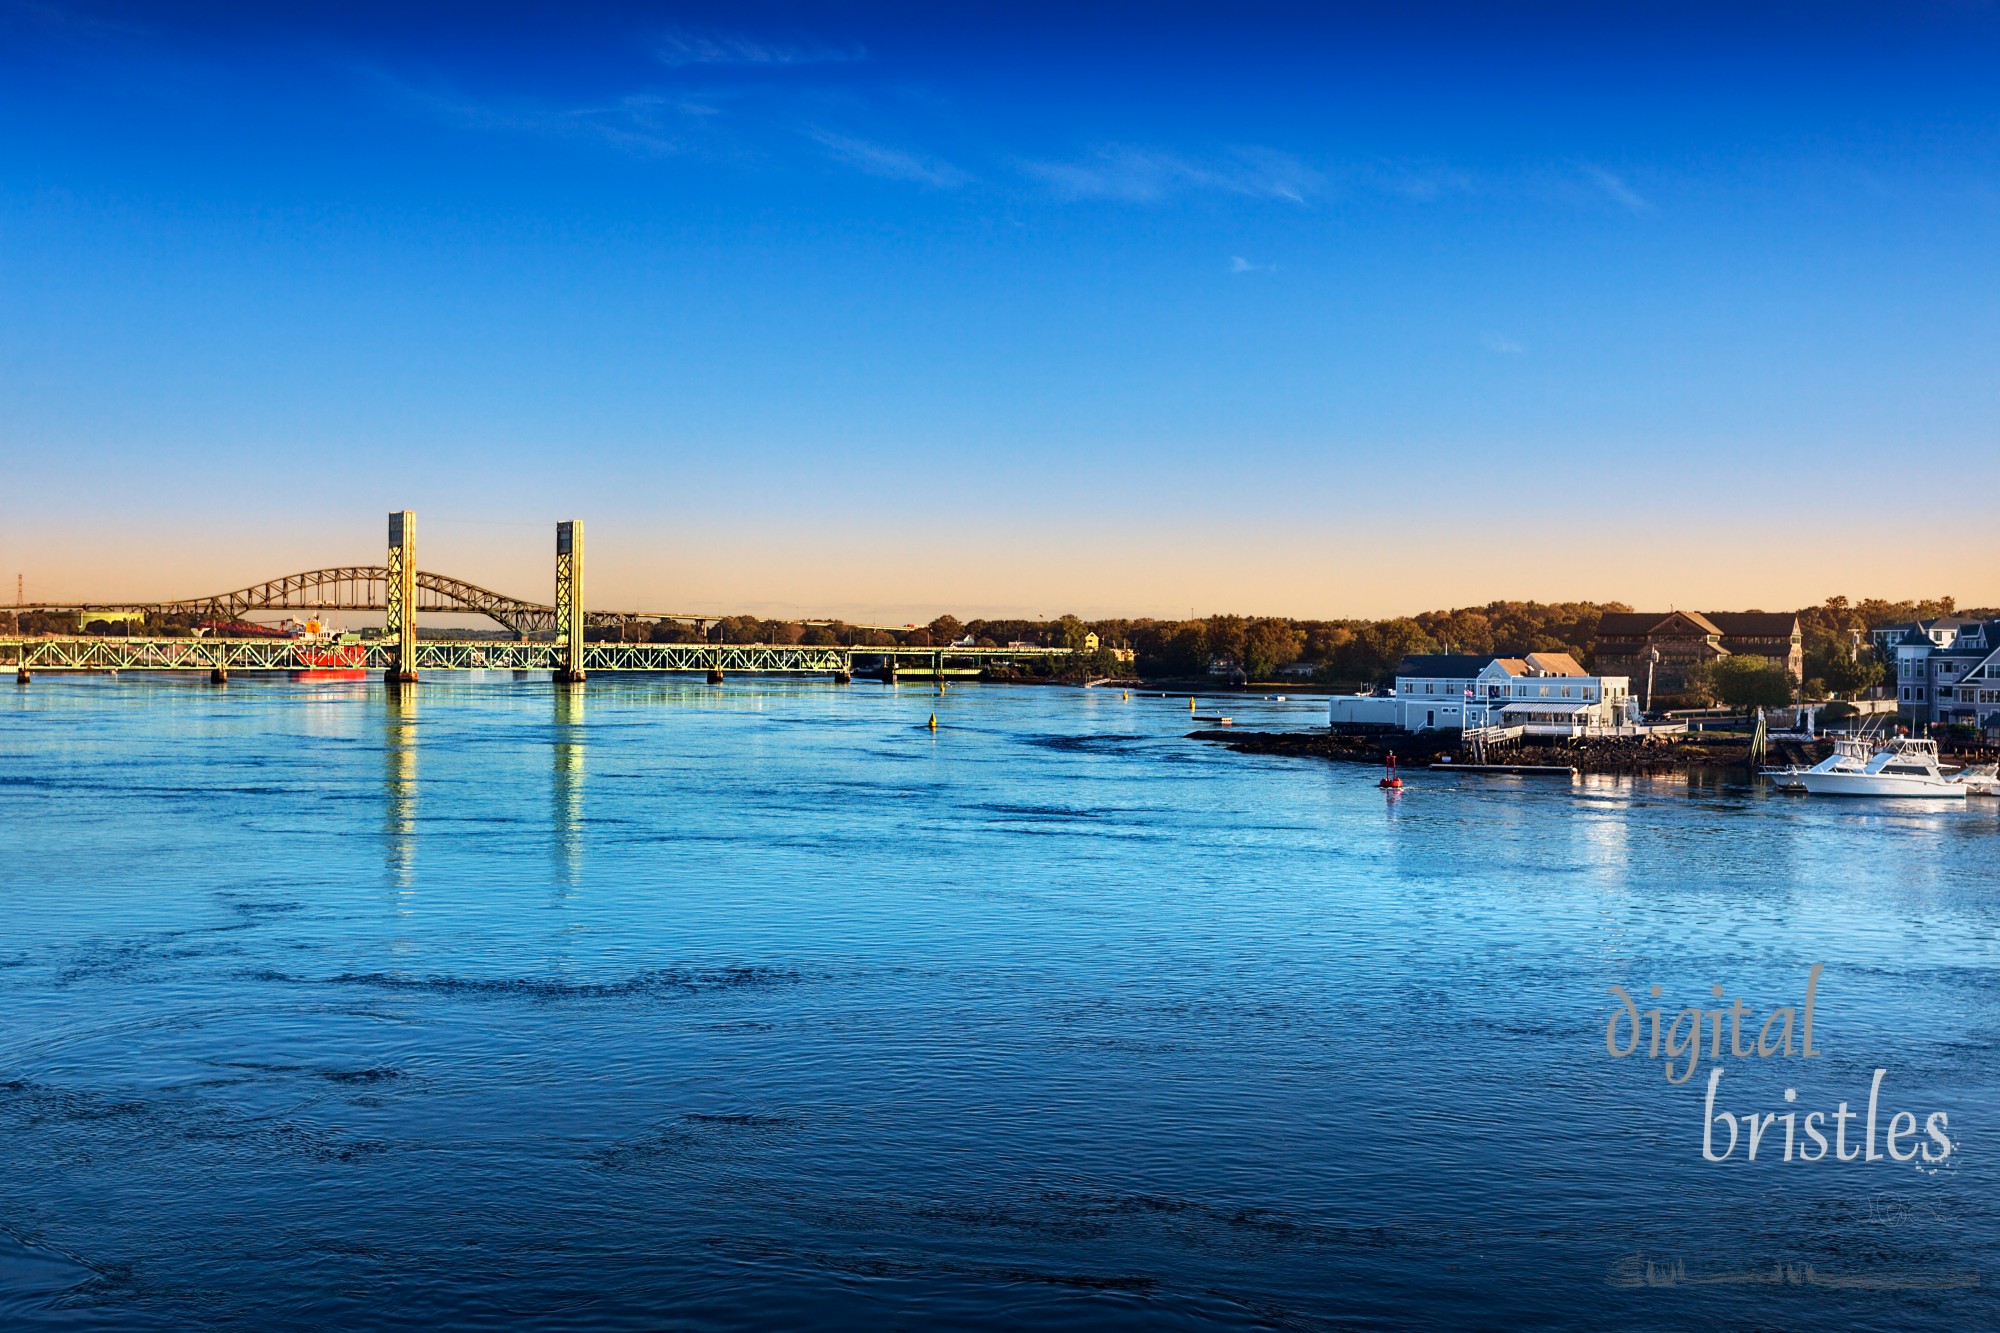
<point x="401" y="784"/>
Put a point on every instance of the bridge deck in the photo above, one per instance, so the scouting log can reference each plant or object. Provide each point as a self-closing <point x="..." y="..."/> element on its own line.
<point x="94" y="653"/>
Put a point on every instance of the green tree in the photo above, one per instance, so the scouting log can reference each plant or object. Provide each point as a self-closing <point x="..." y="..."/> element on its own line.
<point x="1269" y="644"/>
<point x="1175" y="649"/>
<point x="1068" y="632"/>
<point x="1746" y="681"/>
<point x="1849" y="673"/>
<point x="1377" y="649"/>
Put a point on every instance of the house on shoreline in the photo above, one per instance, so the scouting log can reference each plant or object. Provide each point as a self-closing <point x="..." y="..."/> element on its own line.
<point x="1543" y="693"/>
<point x="1941" y="630"/>
<point x="1550" y="693"/>
<point x="1949" y="677"/>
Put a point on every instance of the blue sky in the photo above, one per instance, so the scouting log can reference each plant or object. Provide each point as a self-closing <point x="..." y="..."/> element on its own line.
<point x="888" y="310"/>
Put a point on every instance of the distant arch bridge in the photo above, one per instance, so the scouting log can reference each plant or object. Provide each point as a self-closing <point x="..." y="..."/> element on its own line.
<point x="362" y="588"/>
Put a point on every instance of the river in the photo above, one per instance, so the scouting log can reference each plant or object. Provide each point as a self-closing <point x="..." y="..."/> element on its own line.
<point x="653" y="1003"/>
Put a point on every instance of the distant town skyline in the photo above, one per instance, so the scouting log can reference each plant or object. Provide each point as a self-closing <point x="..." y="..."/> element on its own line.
<point x="882" y="312"/>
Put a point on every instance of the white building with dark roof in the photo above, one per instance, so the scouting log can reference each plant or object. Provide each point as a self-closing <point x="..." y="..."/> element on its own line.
<point x="1544" y="693"/>
<point x="1433" y="689"/>
<point x="1551" y="694"/>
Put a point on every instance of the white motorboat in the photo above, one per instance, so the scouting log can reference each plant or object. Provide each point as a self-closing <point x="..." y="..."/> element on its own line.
<point x="1904" y="766"/>
<point x="1979" y="780"/>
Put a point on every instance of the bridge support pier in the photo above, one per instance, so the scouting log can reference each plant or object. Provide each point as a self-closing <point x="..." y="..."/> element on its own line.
<point x="569" y="600"/>
<point x="889" y="674"/>
<point x="21" y="676"/>
<point x="843" y="677"/>
<point x="399" y="624"/>
<point x="715" y="675"/>
<point x="218" y="676"/>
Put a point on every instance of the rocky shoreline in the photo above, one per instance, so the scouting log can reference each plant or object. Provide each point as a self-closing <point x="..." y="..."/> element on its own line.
<point x="1658" y="756"/>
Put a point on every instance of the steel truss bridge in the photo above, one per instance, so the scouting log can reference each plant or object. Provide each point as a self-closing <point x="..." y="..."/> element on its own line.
<point x="363" y="588"/>
<point x="402" y="592"/>
<point x="223" y="656"/>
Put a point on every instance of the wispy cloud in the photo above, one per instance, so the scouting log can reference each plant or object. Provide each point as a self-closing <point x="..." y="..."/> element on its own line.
<point x="650" y="124"/>
<point x="1505" y="346"/>
<point x="1616" y="190"/>
<point x="892" y="163"/>
<point x="52" y="18"/>
<point x="1144" y="175"/>
<point x="1416" y="182"/>
<point x="1238" y="264"/>
<point x="681" y="47"/>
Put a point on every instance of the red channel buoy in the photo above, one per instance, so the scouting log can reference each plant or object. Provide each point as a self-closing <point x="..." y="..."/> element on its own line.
<point x="1391" y="782"/>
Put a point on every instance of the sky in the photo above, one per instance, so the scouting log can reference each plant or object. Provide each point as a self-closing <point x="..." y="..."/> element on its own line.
<point x="882" y="311"/>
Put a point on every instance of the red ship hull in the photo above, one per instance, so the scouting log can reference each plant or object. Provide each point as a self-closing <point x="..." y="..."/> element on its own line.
<point x="347" y="661"/>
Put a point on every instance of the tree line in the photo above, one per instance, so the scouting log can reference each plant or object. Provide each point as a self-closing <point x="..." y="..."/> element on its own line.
<point x="1839" y="657"/>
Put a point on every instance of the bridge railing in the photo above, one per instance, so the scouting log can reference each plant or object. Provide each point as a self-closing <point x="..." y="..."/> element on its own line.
<point x="104" y="653"/>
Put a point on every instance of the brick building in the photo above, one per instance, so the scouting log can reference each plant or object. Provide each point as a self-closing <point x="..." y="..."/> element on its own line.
<point x="1683" y="639"/>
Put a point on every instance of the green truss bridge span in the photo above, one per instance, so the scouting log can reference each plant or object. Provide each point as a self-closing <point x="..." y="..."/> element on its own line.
<point x="286" y="655"/>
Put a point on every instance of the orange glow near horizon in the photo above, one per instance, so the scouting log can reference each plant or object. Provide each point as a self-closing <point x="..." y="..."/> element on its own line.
<point x="913" y="576"/>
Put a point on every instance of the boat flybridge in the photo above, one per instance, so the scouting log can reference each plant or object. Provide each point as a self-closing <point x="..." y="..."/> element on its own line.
<point x="1903" y="766"/>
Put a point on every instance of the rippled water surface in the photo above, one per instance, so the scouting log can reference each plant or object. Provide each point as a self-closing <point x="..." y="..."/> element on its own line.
<point x="659" y="1004"/>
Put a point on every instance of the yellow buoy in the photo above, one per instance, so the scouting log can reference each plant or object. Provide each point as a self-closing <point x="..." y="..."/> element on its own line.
<point x="933" y="721"/>
<point x="1125" y="695"/>
<point x="1190" y="705"/>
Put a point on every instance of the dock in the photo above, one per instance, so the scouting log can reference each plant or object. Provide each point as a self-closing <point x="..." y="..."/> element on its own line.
<point x="1523" y="770"/>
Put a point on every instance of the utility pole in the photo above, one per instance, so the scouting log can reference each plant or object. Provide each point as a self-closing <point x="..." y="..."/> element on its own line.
<point x="1652" y="660"/>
